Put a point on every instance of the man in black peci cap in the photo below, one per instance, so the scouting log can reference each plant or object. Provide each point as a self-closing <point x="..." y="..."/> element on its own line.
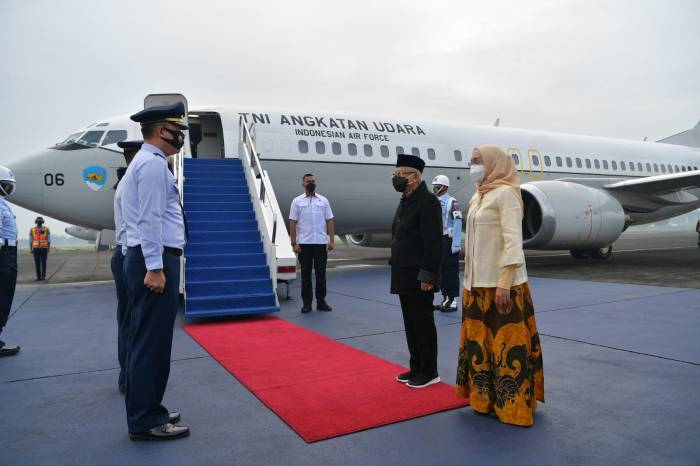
<point x="155" y="237"/>
<point x="416" y="252"/>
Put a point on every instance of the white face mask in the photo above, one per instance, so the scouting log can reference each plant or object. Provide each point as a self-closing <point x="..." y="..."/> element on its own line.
<point x="477" y="173"/>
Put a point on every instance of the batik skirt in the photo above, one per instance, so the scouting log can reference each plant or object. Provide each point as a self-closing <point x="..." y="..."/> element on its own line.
<point x="500" y="358"/>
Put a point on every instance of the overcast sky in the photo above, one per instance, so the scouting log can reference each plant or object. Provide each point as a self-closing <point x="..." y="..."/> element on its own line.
<point x="624" y="69"/>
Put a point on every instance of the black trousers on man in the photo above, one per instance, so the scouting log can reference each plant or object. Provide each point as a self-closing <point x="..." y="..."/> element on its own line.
<point x="421" y="335"/>
<point x="40" y="256"/>
<point x="313" y="256"/>
<point x="449" y="269"/>
<point x="123" y="317"/>
<point x="8" y="281"/>
<point x="150" y="340"/>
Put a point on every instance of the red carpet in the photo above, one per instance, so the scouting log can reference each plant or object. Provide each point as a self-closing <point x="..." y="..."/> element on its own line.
<point x="319" y="387"/>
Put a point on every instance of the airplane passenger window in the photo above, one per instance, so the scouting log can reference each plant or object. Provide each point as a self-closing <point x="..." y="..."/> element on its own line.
<point x="596" y="163"/>
<point x="320" y="147"/>
<point x="516" y="159"/>
<point x="431" y="154"/>
<point x="384" y="150"/>
<point x="558" y="160"/>
<point x="605" y="164"/>
<point x="623" y="167"/>
<point x="458" y="156"/>
<point x="415" y="151"/>
<point x="588" y="163"/>
<point x="579" y="164"/>
<point x="352" y="149"/>
<point x="670" y="168"/>
<point x="639" y="166"/>
<point x="114" y="137"/>
<point x="649" y="167"/>
<point x="683" y="168"/>
<point x="656" y="167"/>
<point x="614" y="165"/>
<point x="535" y="161"/>
<point x="91" y="137"/>
<point x="368" y="150"/>
<point x="663" y="168"/>
<point x="336" y="148"/>
<point x="399" y="150"/>
<point x="569" y="162"/>
<point x="547" y="161"/>
<point x="303" y="147"/>
<point x="631" y="166"/>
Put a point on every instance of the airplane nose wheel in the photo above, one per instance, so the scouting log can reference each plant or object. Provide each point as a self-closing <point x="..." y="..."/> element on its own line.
<point x="598" y="253"/>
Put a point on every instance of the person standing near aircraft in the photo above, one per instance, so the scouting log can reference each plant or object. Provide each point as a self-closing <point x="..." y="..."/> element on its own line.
<point x="117" y="264"/>
<point x="416" y="251"/>
<point x="451" y="243"/>
<point x="312" y="232"/>
<point x="697" y="230"/>
<point x="8" y="256"/>
<point x="155" y="235"/>
<point x="499" y="364"/>
<point x="39" y="245"/>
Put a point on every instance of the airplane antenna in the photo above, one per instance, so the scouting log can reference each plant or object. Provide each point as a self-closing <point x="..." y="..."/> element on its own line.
<point x="645" y="138"/>
<point x="497" y="123"/>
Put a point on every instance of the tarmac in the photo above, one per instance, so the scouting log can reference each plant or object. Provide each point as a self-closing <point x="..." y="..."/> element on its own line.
<point x="619" y="340"/>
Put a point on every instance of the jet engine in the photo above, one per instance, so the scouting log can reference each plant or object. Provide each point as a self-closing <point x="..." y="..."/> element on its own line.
<point x="370" y="240"/>
<point x="565" y="215"/>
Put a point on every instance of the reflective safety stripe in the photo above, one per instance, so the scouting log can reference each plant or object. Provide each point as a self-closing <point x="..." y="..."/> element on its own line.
<point x="39" y="238"/>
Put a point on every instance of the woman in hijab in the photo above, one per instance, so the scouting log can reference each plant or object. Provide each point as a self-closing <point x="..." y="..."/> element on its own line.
<point x="500" y="360"/>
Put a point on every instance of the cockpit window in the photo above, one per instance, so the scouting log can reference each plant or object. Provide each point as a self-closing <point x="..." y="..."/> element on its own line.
<point x="113" y="137"/>
<point x="91" y="137"/>
<point x="72" y="138"/>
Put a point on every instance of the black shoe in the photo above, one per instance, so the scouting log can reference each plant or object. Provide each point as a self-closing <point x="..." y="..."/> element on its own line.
<point x="8" y="350"/>
<point x="165" y="432"/>
<point x="323" y="306"/>
<point x="405" y="377"/>
<point x="174" y="417"/>
<point x="449" y="305"/>
<point x="422" y="381"/>
<point x="305" y="309"/>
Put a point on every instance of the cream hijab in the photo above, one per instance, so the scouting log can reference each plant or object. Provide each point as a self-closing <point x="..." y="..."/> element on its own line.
<point x="499" y="169"/>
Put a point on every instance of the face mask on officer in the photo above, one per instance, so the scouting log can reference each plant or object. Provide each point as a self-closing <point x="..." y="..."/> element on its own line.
<point x="477" y="173"/>
<point x="438" y="189"/>
<point x="311" y="187"/>
<point x="177" y="140"/>
<point x="39" y="223"/>
<point x="7" y="188"/>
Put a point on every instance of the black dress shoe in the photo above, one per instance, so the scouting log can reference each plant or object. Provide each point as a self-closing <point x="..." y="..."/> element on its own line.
<point x="167" y="431"/>
<point x="323" y="306"/>
<point x="450" y="305"/>
<point x="174" y="417"/>
<point x="305" y="309"/>
<point x="405" y="377"/>
<point x="8" y="350"/>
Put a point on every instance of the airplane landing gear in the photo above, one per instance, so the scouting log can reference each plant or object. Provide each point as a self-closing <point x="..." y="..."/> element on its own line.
<point x="598" y="253"/>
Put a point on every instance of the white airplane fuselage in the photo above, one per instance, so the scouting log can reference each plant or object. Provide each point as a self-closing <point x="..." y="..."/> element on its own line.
<point x="352" y="158"/>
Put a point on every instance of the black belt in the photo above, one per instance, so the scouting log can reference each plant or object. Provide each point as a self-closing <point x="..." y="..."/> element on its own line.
<point x="174" y="251"/>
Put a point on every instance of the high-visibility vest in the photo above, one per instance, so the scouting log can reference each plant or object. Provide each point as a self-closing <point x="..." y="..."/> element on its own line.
<point x="39" y="238"/>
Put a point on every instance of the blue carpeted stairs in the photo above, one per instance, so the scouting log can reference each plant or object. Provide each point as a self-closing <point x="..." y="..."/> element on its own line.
<point x="225" y="269"/>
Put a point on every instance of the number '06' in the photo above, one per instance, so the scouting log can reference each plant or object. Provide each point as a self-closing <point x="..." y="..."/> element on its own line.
<point x="51" y="179"/>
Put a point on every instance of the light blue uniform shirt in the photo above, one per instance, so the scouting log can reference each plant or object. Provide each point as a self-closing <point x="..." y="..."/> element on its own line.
<point x="150" y="206"/>
<point x="119" y="228"/>
<point x="451" y="219"/>
<point x="8" y="226"/>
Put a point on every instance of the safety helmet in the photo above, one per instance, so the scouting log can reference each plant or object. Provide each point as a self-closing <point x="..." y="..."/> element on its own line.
<point x="441" y="180"/>
<point x="7" y="180"/>
<point x="39" y="219"/>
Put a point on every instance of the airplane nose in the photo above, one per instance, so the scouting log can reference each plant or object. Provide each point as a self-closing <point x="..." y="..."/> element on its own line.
<point x="28" y="191"/>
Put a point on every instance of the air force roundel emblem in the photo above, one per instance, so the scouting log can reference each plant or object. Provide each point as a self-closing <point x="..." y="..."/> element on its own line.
<point x="95" y="177"/>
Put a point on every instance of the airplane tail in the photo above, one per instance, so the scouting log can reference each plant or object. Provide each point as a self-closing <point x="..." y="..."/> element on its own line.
<point x="689" y="137"/>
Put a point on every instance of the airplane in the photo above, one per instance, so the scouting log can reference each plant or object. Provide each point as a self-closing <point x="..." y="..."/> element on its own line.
<point x="580" y="193"/>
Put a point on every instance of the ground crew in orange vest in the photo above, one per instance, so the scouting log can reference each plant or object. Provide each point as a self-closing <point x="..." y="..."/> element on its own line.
<point x="39" y="244"/>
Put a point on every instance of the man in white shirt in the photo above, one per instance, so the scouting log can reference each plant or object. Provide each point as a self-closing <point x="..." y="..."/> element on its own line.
<point x="312" y="232"/>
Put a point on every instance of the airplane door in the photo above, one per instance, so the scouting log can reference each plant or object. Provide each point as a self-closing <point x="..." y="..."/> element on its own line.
<point x="152" y="100"/>
<point x="521" y="165"/>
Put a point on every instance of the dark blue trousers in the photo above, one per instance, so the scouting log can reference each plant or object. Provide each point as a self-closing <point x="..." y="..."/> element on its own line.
<point x="123" y="317"/>
<point x="8" y="281"/>
<point x="150" y="340"/>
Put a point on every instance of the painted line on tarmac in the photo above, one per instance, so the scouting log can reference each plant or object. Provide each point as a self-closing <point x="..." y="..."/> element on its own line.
<point x="614" y="251"/>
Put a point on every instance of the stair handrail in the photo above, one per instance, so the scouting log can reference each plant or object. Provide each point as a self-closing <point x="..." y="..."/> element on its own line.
<point x="264" y="200"/>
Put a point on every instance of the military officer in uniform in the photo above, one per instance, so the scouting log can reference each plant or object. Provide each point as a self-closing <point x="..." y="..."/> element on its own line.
<point x="155" y="236"/>
<point x="117" y="264"/>
<point x="8" y="255"/>
<point x="416" y="253"/>
<point x="451" y="244"/>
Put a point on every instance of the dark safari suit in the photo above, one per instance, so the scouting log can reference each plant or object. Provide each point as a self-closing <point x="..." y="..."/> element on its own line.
<point x="416" y="252"/>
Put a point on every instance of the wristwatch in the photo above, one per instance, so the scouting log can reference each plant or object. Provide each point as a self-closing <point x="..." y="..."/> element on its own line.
<point x="156" y="270"/>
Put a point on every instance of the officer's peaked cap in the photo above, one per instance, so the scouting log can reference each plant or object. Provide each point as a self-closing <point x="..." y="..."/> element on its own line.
<point x="173" y="114"/>
<point x="405" y="160"/>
